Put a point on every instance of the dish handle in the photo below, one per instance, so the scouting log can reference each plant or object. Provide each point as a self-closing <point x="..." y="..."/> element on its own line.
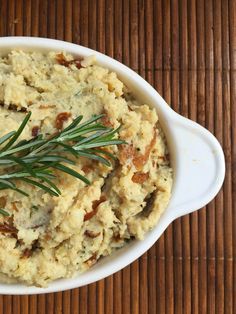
<point x="199" y="166"/>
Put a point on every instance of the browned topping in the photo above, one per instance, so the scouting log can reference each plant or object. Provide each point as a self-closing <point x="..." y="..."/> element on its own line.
<point x="8" y="228"/>
<point x="140" y="160"/>
<point x="27" y="253"/>
<point x="62" y="61"/>
<point x="87" y="168"/>
<point x="46" y="106"/>
<point x="129" y="152"/>
<point x="92" y="260"/>
<point x="91" y="234"/>
<point x="126" y="152"/>
<point x="165" y="157"/>
<point x="14" y="107"/>
<point x="95" y="205"/>
<point x="77" y="63"/>
<point x="89" y="215"/>
<point x="3" y="201"/>
<point x="47" y="237"/>
<point x="98" y="202"/>
<point x="61" y="118"/>
<point x="35" y="131"/>
<point x="116" y="237"/>
<point x="140" y="177"/>
<point x="14" y="207"/>
<point x="106" y="121"/>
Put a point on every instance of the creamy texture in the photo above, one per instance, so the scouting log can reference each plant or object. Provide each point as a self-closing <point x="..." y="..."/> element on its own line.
<point x="54" y="237"/>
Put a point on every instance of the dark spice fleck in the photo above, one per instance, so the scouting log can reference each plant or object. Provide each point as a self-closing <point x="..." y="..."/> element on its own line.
<point x="14" y="107"/>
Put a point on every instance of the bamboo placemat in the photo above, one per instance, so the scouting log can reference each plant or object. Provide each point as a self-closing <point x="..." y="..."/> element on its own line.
<point x="186" y="50"/>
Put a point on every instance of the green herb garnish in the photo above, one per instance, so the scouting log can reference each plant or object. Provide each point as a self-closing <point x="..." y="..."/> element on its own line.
<point x="78" y="93"/>
<point x="3" y="212"/>
<point x="33" y="161"/>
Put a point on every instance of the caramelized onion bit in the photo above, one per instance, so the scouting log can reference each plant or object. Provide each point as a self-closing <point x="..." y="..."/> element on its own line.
<point x="61" y="118"/>
<point x="98" y="202"/>
<point x="140" y="177"/>
<point x="7" y="228"/>
<point x="126" y="152"/>
<point x="46" y="106"/>
<point x="62" y="61"/>
<point x="91" y="234"/>
<point x="27" y="253"/>
<point x="3" y="201"/>
<point x="87" y="168"/>
<point x="14" y="207"/>
<point x="35" y="131"/>
<point x="106" y="121"/>
<point x="95" y="205"/>
<point x="92" y="260"/>
<point x="139" y="160"/>
<point x="116" y="237"/>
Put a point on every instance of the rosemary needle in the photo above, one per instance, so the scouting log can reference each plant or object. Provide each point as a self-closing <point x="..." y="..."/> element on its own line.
<point x="33" y="161"/>
<point x="3" y="212"/>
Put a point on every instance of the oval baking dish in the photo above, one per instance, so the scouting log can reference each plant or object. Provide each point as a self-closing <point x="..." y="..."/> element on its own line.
<point x="196" y="157"/>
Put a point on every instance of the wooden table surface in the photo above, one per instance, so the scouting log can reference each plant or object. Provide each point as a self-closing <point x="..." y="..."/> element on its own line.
<point x="187" y="51"/>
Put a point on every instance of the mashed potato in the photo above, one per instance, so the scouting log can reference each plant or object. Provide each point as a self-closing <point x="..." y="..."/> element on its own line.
<point x="47" y="237"/>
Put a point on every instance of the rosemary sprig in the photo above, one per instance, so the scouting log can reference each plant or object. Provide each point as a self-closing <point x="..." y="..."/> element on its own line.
<point x="33" y="161"/>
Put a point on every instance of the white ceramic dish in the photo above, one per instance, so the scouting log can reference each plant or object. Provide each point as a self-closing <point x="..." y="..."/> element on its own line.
<point x="196" y="156"/>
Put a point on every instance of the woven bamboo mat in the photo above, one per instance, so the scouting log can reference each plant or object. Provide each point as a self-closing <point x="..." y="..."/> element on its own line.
<point x="186" y="50"/>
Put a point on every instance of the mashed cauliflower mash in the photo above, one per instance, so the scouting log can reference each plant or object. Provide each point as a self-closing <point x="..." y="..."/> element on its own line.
<point x="48" y="237"/>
